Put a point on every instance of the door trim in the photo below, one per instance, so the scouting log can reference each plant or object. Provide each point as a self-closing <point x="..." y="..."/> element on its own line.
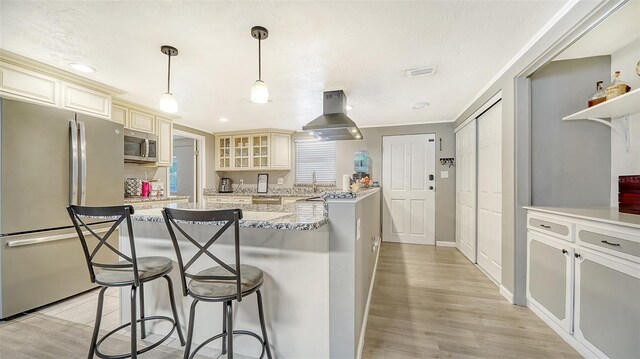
<point x="201" y="145"/>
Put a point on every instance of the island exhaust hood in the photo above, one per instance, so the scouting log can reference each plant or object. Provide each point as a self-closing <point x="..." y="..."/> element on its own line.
<point x="334" y="124"/>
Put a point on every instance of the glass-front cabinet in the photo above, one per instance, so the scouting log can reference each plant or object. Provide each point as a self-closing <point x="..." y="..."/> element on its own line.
<point x="224" y="152"/>
<point x="260" y="150"/>
<point x="241" y="155"/>
<point x="249" y="151"/>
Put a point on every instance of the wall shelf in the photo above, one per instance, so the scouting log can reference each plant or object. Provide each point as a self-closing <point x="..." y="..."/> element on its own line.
<point x="621" y="106"/>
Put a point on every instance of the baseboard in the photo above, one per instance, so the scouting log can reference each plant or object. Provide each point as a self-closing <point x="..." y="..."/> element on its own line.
<point x="508" y="295"/>
<point x="365" y="318"/>
<point x="570" y="339"/>
<point x="445" y="244"/>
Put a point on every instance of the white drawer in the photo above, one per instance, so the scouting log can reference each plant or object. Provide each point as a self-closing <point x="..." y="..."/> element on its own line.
<point x="614" y="240"/>
<point x="242" y="200"/>
<point x="551" y="225"/>
<point x="220" y="199"/>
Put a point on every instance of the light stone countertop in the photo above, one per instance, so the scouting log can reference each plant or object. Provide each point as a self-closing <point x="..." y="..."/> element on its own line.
<point x="293" y="216"/>
<point x="153" y="199"/>
<point x="599" y="214"/>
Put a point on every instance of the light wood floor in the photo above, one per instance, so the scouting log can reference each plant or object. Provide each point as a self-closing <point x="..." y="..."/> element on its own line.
<point x="431" y="302"/>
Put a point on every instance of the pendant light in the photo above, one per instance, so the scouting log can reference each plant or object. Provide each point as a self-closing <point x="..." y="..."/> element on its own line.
<point x="259" y="91"/>
<point x="168" y="103"/>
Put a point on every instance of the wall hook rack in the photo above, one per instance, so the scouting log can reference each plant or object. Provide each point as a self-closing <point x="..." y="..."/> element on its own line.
<point x="449" y="161"/>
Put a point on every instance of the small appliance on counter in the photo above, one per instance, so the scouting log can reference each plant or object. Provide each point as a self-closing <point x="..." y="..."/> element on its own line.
<point x="629" y="194"/>
<point x="225" y="185"/>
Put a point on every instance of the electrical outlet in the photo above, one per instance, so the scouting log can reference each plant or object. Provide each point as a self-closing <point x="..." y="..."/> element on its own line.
<point x="241" y="181"/>
<point x="280" y="180"/>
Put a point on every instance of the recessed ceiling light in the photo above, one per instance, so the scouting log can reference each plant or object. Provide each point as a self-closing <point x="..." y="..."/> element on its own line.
<point x="349" y="107"/>
<point x="223" y="119"/>
<point x="419" y="105"/>
<point x="82" y="67"/>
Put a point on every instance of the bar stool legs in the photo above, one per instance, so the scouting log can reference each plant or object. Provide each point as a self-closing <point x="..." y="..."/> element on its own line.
<point x="192" y="320"/>
<point x="224" y="328"/>
<point x="96" y="328"/>
<point x="172" y="299"/>
<point x="143" y="332"/>
<point x="229" y="306"/>
<point x="263" y="327"/>
<point x="134" y="326"/>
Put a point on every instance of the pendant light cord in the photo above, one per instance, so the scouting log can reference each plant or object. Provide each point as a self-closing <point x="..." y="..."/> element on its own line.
<point x="169" y="74"/>
<point x="259" y="58"/>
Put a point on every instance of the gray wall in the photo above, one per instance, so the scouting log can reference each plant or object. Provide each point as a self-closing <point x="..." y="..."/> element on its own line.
<point x="211" y="176"/>
<point x="515" y="122"/>
<point x="570" y="160"/>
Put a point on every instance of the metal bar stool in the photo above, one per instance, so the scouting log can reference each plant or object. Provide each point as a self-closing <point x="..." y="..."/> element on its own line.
<point x="223" y="283"/>
<point x="128" y="271"/>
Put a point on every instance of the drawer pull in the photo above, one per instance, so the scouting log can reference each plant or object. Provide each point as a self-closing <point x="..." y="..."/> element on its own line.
<point x="611" y="244"/>
<point x="577" y="255"/>
<point x="545" y="226"/>
<point x="564" y="251"/>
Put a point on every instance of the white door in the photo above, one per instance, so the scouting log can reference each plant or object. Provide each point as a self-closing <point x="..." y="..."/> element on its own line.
<point x="408" y="187"/>
<point x="466" y="190"/>
<point x="490" y="191"/>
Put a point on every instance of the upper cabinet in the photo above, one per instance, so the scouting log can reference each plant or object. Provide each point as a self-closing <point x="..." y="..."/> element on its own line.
<point x="165" y="142"/>
<point x="253" y="151"/>
<point x="27" y="80"/>
<point x="141" y="121"/>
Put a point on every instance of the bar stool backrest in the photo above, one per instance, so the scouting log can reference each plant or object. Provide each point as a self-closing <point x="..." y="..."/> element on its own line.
<point x="115" y="215"/>
<point x="226" y="218"/>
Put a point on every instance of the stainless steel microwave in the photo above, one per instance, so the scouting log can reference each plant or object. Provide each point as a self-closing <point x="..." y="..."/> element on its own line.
<point x="140" y="147"/>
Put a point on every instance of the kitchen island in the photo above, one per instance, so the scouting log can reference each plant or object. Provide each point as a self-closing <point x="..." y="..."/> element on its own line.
<point x="312" y="288"/>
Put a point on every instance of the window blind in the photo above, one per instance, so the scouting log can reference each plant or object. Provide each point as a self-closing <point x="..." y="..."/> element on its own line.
<point x="318" y="156"/>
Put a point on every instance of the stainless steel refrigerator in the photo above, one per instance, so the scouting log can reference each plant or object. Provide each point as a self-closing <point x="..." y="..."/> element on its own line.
<point x="50" y="158"/>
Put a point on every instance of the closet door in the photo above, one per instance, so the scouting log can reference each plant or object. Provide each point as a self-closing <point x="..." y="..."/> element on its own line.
<point x="490" y="192"/>
<point x="466" y="190"/>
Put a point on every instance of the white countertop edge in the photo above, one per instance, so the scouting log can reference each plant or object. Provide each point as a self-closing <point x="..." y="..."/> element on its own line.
<point x="600" y="214"/>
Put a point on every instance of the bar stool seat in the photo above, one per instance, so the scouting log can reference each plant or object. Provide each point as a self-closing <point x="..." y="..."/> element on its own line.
<point x="214" y="290"/>
<point x="149" y="268"/>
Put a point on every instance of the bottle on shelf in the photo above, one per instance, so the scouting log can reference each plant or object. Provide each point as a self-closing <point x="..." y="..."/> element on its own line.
<point x="599" y="96"/>
<point x="617" y="87"/>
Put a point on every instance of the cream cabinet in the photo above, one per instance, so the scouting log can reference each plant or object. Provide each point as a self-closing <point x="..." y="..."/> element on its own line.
<point x="228" y="199"/>
<point x="22" y="84"/>
<point x="31" y="86"/>
<point x="165" y="142"/>
<point x="80" y="99"/>
<point x="253" y="151"/>
<point x="281" y="151"/>
<point x="223" y="153"/>
<point x="241" y="154"/>
<point x="142" y="121"/>
<point x="583" y="279"/>
<point x="260" y="150"/>
<point x="120" y="115"/>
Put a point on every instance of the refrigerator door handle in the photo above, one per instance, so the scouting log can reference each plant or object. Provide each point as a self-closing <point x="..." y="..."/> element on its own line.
<point x="83" y="164"/>
<point x="57" y="237"/>
<point x="73" y="167"/>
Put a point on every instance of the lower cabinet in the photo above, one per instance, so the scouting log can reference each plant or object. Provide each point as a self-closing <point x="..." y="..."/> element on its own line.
<point x="588" y="293"/>
<point x="549" y="278"/>
<point x="607" y="305"/>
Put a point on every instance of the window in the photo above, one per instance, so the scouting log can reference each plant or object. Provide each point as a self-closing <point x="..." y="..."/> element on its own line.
<point x="318" y="156"/>
<point x="173" y="176"/>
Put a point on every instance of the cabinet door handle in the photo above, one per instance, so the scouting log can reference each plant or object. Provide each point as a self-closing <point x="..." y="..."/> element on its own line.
<point x="577" y="255"/>
<point x="564" y="251"/>
<point x="545" y="226"/>
<point x="611" y="244"/>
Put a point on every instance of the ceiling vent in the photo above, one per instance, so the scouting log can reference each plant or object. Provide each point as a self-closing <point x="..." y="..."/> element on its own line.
<point x="421" y="71"/>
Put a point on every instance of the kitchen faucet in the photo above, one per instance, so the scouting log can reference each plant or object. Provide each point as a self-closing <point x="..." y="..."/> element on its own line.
<point x="314" y="183"/>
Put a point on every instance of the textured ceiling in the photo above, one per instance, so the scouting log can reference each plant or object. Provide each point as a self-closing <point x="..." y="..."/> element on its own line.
<point x="362" y="47"/>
